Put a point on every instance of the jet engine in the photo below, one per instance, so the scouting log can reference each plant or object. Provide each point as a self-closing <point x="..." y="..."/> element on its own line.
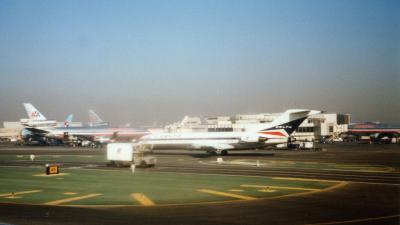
<point x="253" y="138"/>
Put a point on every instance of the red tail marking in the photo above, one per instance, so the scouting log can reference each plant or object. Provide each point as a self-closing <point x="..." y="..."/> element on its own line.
<point x="276" y="133"/>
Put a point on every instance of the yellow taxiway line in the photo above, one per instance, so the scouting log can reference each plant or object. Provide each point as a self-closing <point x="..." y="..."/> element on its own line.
<point x="19" y="193"/>
<point x="236" y="190"/>
<point x="357" y="220"/>
<point x="50" y="175"/>
<point x="304" y="179"/>
<point x="65" y="200"/>
<point x="243" y="197"/>
<point x="280" y="187"/>
<point x="142" y="199"/>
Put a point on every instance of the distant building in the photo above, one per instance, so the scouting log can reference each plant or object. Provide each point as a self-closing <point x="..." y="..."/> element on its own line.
<point x="13" y="125"/>
<point x="325" y="125"/>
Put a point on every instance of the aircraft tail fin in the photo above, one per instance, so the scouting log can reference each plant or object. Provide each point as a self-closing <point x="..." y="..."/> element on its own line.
<point x="68" y="120"/>
<point x="33" y="113"/>
<point x="94" y="118"/>
<point x="288" y="122"/>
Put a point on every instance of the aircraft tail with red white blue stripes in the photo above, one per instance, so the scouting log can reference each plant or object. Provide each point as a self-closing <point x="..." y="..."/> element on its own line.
<point x="287" y="123"/>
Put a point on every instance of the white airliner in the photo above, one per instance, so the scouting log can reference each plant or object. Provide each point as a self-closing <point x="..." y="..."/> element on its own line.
<point x="272" y="133"/>
<point x="36" y="119"/>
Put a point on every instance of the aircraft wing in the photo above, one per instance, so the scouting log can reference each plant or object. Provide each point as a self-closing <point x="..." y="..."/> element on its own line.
<point x="215" y="146"/>
<point x="36" y="130"/>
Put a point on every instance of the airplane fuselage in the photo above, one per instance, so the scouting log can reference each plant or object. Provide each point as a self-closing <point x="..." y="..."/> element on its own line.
<point x="38" y="123"/>
<point x="211" y="140"/>
<point x="94" y="133"/>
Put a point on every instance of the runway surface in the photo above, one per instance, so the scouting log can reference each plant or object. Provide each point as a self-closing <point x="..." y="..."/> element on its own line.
<point x="370" y="196"/>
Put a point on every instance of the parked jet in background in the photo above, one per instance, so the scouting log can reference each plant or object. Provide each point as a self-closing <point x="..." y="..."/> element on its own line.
<point x="276" y="132"/>
<point x="375" y="131"/>
<point x="38" y="127"/>
<point x="95" y="120"/>
<point x="68" y="120"/>
<point x="28" y="136"/>
<point x="94" y="134"/>
<point x="36" y="119"/>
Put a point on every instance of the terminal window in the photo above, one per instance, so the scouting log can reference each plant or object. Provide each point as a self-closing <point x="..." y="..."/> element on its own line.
<point x="305" y="129"/>
<point x="220" y="129"/>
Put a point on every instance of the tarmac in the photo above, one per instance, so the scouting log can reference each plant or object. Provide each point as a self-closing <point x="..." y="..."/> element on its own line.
<point x="369" y="195"/>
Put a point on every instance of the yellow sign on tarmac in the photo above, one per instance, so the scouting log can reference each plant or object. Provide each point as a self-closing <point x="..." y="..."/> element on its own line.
<point x="52" y="169"/>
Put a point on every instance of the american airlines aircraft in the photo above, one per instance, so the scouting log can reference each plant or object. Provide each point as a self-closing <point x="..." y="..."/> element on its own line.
<point x="36" y="119"/>
<point x="272" y="133"/>
<point x="95" y="134"/>
<point x="28" y="136"/>
<point x="38" y="126"/>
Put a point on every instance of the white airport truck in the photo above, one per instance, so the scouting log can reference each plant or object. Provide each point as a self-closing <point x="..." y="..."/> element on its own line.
<point x="127" y="154"/>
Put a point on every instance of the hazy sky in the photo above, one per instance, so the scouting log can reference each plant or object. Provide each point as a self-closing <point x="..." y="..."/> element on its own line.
<point x="148" y="61"/>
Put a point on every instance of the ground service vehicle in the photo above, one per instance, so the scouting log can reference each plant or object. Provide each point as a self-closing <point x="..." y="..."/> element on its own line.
<point x="126" y="154"/>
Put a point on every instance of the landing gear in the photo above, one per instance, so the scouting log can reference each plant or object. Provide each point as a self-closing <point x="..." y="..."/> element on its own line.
<point x="218" y="152"/>
<point x="212" y="152"/>
<point x="224" y="152"/>
<point x="221" y="152"/>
